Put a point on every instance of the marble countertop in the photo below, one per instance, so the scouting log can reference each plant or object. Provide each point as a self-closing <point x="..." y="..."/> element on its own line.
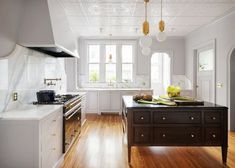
<point x="121" y="89"/>
<point x="30" y="112"/>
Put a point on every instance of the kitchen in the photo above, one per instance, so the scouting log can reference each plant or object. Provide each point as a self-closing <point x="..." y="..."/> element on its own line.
<point x="67" y="67"/>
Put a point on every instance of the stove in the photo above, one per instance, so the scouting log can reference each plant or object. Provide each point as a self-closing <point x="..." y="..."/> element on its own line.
<point x="59" y="99"/>
<point x="71" y="117"/>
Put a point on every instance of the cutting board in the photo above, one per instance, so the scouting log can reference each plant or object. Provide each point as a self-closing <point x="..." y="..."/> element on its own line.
<point x="189" y="102"/>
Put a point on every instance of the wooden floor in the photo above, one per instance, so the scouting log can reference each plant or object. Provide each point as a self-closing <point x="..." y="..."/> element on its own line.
<point x="102" y="145"/>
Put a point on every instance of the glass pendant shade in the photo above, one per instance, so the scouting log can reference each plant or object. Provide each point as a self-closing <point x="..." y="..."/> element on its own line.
<point x="145" y="41"/>
<point x="161" y="36"/>
<point x="146" y="51"/>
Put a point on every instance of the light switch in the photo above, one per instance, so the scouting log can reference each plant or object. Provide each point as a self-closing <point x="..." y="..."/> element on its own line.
<point x="15" y="96"/>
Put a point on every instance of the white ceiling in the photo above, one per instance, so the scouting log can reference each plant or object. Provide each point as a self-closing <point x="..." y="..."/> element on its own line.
<point x="125" y="17"/>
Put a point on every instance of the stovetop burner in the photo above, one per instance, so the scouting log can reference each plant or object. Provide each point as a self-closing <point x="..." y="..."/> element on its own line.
<point x="59" y="99"/>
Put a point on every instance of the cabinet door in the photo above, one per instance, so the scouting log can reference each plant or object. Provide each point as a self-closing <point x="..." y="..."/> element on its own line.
<point x="104" y="101"/>
<point x="92" y="101"/>
<point x="115" y="101"/>
<point x="83" y="110"/>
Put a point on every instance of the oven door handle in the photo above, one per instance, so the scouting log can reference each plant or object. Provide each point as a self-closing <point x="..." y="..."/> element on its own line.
<point x="78" y="106"/>
<point x="68" y="117"/>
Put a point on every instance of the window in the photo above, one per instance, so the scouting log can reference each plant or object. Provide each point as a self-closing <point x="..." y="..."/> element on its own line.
<point x="205" y="60"/>
<point x="94" y="59"/>
<point x="127" y="63"/>
<point x="112" y="62"/>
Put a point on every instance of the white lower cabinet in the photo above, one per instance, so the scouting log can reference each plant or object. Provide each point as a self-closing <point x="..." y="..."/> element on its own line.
<point x="83" y="110"/>
<point x="31" y="143"/>
<point x="108" y="101"/>
<point x="92" y="101"/>
<point x="104" y="101"/>
<point x="115" y="101"/>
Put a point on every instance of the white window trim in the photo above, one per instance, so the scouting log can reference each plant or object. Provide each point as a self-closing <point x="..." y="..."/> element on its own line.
<point x="102" y="63"/>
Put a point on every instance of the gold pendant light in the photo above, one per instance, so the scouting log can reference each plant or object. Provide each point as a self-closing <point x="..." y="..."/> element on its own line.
<point x="146" y="23"/>
<point x="161" y="35"/>
<point x="146" y="41"/>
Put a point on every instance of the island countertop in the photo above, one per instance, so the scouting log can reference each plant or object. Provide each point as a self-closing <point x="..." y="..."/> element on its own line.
<point x="130" y="103"/>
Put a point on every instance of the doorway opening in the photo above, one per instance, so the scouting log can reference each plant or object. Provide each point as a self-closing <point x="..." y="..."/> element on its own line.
<point x="160" y="72"/>
<point x="232" y="91"/>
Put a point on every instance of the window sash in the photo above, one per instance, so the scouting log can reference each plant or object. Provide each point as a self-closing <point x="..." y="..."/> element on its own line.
<point x="119" y="62"/>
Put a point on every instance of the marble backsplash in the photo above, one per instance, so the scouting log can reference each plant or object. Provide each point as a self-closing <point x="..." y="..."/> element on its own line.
<point x="23" y="71"/>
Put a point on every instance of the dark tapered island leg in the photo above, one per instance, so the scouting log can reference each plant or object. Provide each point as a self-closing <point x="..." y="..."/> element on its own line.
<point x="224" y="153"/>
<point x="129" y="154"/>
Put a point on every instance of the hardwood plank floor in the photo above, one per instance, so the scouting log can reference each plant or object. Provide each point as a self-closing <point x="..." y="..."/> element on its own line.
<point x="102" y="145"/>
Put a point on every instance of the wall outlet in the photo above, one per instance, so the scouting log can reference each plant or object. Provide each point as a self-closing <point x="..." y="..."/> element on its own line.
<point x="15" y="96"/>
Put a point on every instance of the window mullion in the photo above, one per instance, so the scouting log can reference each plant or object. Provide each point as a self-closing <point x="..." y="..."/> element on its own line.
<point x="102" y="63"/>
<point x="119" y="63"/>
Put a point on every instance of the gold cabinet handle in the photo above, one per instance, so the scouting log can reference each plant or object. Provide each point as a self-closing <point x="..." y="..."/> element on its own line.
<point x="164" y="135"/>
<point x="141" y="117"/>
<point x="163" y="118"/>
<point x="213" y="135"/>
<point x="192" y="118"/>
<point x="213" y="118"/>
<point x="192" y="135"/>
<point x="142" y="135"/>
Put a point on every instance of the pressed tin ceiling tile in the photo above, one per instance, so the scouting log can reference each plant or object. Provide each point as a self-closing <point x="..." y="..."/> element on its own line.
<point x="125" y="17"/>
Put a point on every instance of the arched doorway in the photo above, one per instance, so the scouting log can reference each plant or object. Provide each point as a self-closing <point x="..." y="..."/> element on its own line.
<point x="232" y="91"/>
<point x="160" y="72"/>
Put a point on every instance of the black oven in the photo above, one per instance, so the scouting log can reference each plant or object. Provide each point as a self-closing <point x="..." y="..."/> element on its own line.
<point x="72" y="122"/>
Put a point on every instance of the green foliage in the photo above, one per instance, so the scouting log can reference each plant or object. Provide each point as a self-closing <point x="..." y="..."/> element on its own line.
<point x="94" y="77"/>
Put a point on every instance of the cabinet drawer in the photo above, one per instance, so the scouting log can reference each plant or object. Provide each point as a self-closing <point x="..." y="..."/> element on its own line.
<point x="142" y="135"/>
<point x="142" y="117"/>
<point x="177" y="117"/>
<point x="212" y="117"/>
<point x="177" y="136"/>
<point x="213" y="136"/>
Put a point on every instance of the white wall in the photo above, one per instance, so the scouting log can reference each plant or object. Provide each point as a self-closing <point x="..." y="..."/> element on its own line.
<point x="10" y="12"/>
<point x="223" y="31"/>
<point x="173" y="44"/>
<point x="23" y="71"/>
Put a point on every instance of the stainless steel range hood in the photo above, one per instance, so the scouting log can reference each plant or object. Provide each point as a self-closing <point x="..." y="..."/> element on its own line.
<point x="45" y="28"/>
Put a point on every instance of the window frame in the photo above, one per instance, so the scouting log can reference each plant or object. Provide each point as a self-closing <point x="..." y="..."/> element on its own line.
<point x="102" y="63"/>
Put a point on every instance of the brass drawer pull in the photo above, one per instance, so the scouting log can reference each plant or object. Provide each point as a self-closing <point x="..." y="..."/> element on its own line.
<point x="213" y="135"/>
<point x="163" y="135"/>
<point x="192" y="135"/>
<point x="192" y="118"/>
<point x="142" y="135"/>
<point x="213" y="118"/>
<point x="141" y="117"/>
<point x="163" y="118"/>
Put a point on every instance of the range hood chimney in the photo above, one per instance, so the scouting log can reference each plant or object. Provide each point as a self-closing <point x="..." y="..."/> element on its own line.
<point x="45" y="28"/>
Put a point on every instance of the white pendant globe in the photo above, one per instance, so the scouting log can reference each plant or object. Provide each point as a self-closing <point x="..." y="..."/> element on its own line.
<point x="146" y="51"/>
<point x="145" y="41"/>
<point x="161" y="36"/>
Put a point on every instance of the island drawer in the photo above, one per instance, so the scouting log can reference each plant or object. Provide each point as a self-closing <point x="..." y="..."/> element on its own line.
<point x="174" y="117"/>
<point x="213" y="136"/>
<point x="177" y="136"/>
<point x="212" y="117"/>
<point x="142" y="134"/>
<point x="142" y="117"/>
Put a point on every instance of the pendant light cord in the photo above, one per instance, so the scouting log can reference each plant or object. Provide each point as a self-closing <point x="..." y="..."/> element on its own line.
<point x="146" y="12"/>
<point x="161" y="9"/>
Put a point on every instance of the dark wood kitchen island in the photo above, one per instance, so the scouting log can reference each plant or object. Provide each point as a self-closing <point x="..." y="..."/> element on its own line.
<point x="160" y="125"/>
